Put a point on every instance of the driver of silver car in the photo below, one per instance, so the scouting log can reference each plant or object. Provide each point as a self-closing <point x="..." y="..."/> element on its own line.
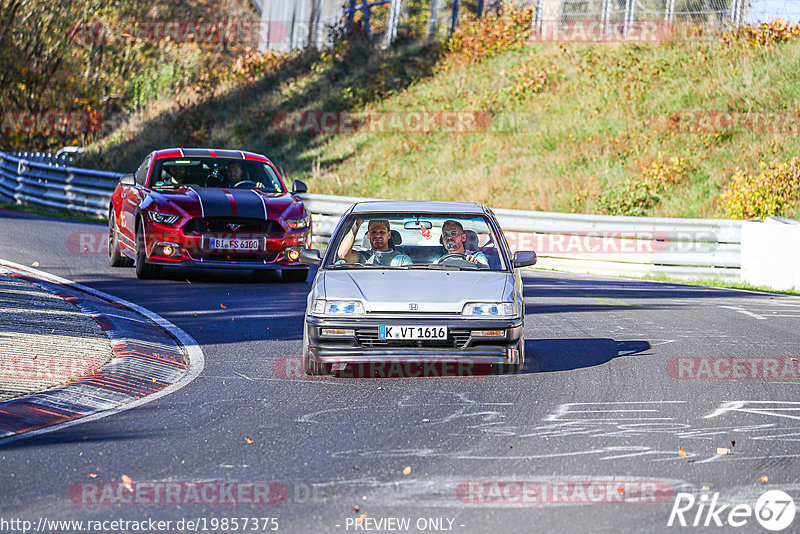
<point x="381" y="251"/>
<point x="454" y="241"/>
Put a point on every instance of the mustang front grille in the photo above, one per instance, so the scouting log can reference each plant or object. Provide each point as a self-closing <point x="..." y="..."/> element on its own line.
<point x="234" y="256"/>
<point x="368" y="337"/>
<point x="233" y="225"/>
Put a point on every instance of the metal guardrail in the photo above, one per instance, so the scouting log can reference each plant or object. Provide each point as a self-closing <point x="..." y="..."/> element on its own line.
<point x="598" y="244"/>
<point x="61" y="160"/>
<point x="52" y="185"/>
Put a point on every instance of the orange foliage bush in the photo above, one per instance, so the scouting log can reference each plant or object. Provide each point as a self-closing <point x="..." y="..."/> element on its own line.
<point x="771" y="192"/>
<point x="476" y="40"/>
<point x="775" y="31"/>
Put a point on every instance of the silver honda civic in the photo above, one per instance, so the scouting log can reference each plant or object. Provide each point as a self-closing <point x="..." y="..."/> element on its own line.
<point x="415" y="282"/>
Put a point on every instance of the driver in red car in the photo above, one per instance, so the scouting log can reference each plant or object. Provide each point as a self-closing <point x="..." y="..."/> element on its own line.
<point x="454" y="241"/>
<point x="234" y="173"/>
<point x="229" y="178"/>
<point x="236" y="177"/>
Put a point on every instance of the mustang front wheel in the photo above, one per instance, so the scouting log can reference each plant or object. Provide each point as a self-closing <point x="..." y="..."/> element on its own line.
<point x="115" y="257"/>
<point x="144" y="270"/>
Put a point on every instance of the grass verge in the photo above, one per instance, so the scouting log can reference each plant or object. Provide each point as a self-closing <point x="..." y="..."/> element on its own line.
<point x="718" y="282"/>
<point x="50" y="212"/>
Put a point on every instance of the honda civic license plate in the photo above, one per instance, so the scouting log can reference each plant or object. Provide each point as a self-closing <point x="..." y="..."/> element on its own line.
<point x="412" y="332"/>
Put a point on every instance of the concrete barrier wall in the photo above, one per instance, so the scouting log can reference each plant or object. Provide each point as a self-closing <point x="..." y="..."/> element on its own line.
<point x="771" y="253"/>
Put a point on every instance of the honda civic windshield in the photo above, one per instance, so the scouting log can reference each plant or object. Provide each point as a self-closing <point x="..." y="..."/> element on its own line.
<point x="446" y="242"/>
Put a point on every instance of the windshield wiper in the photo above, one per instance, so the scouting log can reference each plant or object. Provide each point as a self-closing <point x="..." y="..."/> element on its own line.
<point x="357" y="266"/>
<point x="441" y="267"/>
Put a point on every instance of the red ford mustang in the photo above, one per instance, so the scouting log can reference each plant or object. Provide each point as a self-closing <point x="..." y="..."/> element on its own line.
<point x="208" y="208"/>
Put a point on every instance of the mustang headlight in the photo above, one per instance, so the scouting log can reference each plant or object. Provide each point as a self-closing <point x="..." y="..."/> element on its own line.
<point x="294" y="224"/>
<point x="489" y="309"/>
<point x="163" y="218"/>
<point x="337" y="307"/>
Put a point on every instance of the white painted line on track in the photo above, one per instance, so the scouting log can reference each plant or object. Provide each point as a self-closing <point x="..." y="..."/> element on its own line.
<point x="768" y="408"/>
<point x="194" y="354"/>
<point x="743" y="311"/>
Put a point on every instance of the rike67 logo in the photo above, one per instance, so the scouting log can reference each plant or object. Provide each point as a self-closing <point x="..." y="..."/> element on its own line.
<point x="774" y="510"/>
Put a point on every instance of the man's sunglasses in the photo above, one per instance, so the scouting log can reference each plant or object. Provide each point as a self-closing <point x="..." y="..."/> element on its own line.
<point x="451" y="233"/>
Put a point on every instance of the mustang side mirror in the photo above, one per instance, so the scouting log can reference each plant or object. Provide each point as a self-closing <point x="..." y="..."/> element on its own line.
<point x="523" y="258"/>
<point x="127" y="179"/>
<point x="299" y="187"/>
<point x="310" y="256"/>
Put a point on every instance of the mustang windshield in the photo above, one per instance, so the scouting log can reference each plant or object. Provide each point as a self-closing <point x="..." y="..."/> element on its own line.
<point x="446" y="242"/>
<point x="215" y="172"/>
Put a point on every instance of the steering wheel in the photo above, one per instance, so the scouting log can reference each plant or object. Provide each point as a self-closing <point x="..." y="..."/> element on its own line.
<point x="247" y="184"/>
<point x="451" y="256"/>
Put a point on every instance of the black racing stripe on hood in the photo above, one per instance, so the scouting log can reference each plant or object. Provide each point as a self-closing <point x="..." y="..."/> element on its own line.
<point x="248" y="203"/>
<point x="215" y="202"/>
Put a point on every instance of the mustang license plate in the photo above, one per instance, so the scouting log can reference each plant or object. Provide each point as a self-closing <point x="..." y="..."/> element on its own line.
<point x="412" y="332"/>
<point x="234" y="244"/>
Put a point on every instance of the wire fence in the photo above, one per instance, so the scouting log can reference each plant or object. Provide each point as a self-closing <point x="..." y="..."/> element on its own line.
<point x="706" y="12"/>
<point x="313" y="23"/>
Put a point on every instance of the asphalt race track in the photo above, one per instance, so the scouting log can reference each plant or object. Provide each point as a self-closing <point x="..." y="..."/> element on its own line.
<point x="599" y="402"/>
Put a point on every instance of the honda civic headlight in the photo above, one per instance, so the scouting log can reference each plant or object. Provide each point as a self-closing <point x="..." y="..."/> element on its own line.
<point x="337" y="307"/>
<point x="489" y="309"/>
<point x="163" y="218"/>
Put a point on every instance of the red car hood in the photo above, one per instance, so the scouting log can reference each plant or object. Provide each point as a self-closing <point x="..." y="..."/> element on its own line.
<point x="214" y="202"/>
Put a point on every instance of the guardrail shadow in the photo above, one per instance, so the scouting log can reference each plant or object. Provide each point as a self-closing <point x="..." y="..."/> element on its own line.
<point x="585" y="293"/>
<point x="549" y="355"/>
